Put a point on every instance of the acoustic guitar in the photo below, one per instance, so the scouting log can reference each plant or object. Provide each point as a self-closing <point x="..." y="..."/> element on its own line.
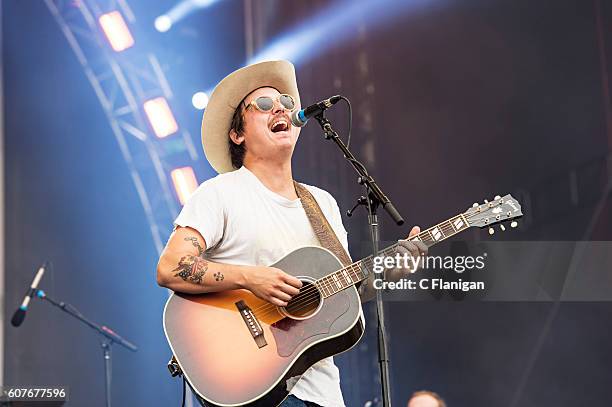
<point x="235" y="349"/>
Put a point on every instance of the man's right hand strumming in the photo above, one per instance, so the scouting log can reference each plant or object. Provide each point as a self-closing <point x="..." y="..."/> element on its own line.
<point x="272" y="284"/>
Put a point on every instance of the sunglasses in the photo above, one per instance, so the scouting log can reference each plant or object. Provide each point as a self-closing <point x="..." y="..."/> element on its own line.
<point x="266" y="103"/>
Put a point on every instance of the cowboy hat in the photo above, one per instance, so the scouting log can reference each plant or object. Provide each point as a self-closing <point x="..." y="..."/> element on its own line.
<point x="226" y="97"/>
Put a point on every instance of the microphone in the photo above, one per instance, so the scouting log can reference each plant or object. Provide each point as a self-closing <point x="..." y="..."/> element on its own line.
<point x="20" y="314"/>
<point x="300" y="117"/>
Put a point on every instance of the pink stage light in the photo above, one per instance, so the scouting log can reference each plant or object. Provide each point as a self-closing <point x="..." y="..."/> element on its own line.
<point x="116" y="31"/>
<point x="160" y="116"/>
<point x="185" y="182"/>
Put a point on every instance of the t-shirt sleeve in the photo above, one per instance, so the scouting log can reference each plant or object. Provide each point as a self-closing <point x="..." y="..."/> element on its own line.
<point x="204" y="212"/>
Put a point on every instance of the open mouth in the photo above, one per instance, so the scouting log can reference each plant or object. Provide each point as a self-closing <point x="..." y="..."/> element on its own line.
<point x="279" y="125"/>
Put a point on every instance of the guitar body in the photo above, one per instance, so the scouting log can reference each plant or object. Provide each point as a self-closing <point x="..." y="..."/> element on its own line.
<point x="238" y="350"/>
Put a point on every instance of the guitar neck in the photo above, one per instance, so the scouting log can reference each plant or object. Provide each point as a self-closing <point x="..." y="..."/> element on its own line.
<point x="359" y="271"/>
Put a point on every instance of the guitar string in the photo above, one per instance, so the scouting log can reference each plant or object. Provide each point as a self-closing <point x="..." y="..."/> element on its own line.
<point x="311" y="294"/>
<point x="302" y="305"/>
<point x="303" y="302"/>
<point x="330" y="286"/>
<point x="313" y="297"/>
<point x="448" y="230"/>
<point x="446" y="226"/>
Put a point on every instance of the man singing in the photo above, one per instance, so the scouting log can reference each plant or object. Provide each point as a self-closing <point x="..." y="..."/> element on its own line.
<point x="250" y="215"/>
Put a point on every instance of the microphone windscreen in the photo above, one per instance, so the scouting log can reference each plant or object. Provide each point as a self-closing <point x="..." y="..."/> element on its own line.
<point x="18" y="317"/>
<point x="296" y="120"/>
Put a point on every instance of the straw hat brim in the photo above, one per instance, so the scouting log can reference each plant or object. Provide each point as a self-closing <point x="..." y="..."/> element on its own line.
<point x="226" y="97"/>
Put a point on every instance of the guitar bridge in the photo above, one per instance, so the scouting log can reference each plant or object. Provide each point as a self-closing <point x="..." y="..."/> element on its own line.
<point x="252" y="324"/>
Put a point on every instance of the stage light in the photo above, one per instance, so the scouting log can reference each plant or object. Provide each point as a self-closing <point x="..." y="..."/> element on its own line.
<point x="185" y="183"/>
<point x="160" y="116"/>
<point x="163" y="23"/>
<point x="199" y="100"/>
<point x="181" y="10"/>
<point x="116" y="31"/>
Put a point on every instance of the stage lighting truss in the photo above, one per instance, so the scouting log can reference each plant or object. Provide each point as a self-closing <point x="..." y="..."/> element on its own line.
<point x="123" y="82"/>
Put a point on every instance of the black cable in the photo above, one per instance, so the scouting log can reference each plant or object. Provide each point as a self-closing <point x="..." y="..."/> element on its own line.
<point x="350" y="126"/>
<point x="360" y="165"/>
<point x="184" y="385"/>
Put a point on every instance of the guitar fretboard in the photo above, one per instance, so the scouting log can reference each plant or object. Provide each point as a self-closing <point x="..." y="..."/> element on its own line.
<point x="359" y="271"/>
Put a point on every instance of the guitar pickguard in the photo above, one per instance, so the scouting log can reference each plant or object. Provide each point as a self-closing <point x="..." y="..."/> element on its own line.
<point x="290" y="334"/>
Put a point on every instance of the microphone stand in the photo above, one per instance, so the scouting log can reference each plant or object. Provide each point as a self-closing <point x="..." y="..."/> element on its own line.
<point x="108" y="338"/>
<point x="375" y="198"/>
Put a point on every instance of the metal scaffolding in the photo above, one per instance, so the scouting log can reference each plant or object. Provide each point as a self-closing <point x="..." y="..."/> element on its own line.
<point x="122" y="83"/>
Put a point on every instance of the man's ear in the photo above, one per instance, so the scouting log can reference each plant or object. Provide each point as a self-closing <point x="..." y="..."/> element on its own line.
<point x="235" y="137"/>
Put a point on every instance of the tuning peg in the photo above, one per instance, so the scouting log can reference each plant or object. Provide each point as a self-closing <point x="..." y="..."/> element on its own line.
<point x="485" y="201"/>
<point x="491" y="231"/>
<point x="475" y="205"/>
<point x="514" y="224"/>
<point x="497" y="197"/>
<point x="502" y="227"/>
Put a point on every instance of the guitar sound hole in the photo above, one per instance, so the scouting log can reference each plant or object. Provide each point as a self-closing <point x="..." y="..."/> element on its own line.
<point x="304" y="304"/>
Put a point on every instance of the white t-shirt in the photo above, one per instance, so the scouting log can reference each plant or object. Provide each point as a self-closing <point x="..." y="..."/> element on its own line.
<point x="245" y="223"/>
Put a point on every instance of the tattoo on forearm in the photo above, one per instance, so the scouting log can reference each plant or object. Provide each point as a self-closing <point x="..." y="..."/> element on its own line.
<point x="196" y="244"/>
<point x="192" y="269"/>
<point x="218" y="276"/>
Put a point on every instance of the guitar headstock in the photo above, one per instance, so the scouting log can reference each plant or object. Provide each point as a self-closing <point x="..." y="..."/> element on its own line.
<point x="500" y="209"/>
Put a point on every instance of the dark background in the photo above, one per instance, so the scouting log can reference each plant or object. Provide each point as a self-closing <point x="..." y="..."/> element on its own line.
<point x="454" y="102"/>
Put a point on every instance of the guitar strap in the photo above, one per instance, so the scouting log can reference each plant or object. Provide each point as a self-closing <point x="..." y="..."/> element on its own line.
<point x="324" y="232"/>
